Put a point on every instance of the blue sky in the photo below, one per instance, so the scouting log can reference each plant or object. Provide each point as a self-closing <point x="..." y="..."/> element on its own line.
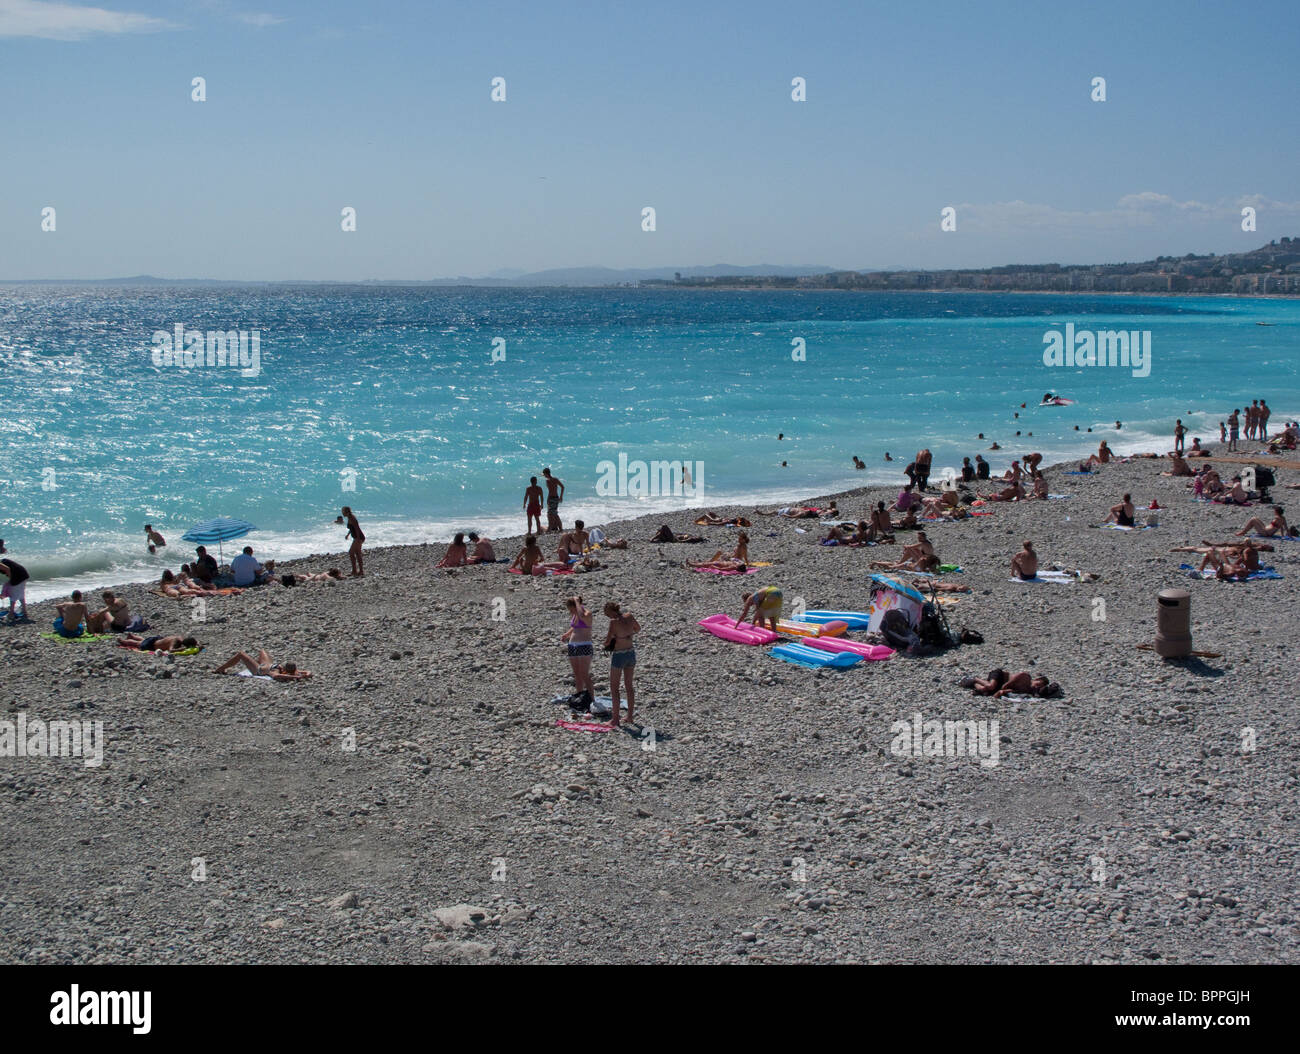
<point x="385" y="107"/>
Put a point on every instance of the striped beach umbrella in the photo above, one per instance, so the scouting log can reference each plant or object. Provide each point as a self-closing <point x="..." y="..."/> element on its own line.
<point x="222" y="529"/>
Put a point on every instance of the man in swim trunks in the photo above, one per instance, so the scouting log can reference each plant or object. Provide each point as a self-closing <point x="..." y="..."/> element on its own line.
<point x="483" y="551"/>
<point x="1234" y="429"/>
<point x="71" y="622"/>
<point x="159" y="643"/>
<point x="533" y="506"/>
<point x="767" y="604"/>
<point x="153" y="539"/>
<point x="1024" y="565"/>
<point x="554" y="495"/>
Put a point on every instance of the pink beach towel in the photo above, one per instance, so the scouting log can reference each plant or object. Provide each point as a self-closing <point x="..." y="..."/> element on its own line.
<point x="582" y="726"/>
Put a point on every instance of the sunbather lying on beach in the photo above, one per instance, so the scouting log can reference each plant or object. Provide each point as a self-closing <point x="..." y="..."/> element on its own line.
<point x="457" y="554"/>
<point x="263" y="667"/>
<point x="924" y="584"/>
<point x="332" y="575"/>
<point x="1275" y="527"/>
<point x="712" y="519"/>
<point x="665" y="534"/>
<point x="1000" y="683"/>
<point x="799" y="512"/>
<point x="719" y="563"/>
<point x="1013" y="492"/>
<point x="134" y="640"/>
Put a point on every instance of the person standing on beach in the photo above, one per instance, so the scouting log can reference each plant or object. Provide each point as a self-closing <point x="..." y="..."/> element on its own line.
<point x="1234" y="428"/>
<point x="580" y="650"/>
<point x="923" y="461"/>
<point x="358" y="536"/>
<point x="1264" y="414"/>
<point x="1180" y="431"/>
<point x="533" y="506"/>
<point x="622" y="659"/>
<point x="15" y="575"/>
<point x="1252" y="418"/>
<point x="554" y="495"/>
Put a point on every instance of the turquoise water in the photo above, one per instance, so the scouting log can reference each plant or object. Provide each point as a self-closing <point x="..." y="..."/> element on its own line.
<point x="400" y="386"/>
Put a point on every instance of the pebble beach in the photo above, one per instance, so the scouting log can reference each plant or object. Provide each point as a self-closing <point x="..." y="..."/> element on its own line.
<point x="415" y="800"/>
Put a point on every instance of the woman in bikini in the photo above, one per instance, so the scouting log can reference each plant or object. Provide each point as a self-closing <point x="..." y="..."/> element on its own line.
<point x="578" y="640"/>
<point x="358" y="536"/>
<point x="263" y="667"/>
<point x="1276" y="526"/>
<point x="622" y="660"/>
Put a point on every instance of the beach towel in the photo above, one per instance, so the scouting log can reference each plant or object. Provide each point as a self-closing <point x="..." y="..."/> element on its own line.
<point x="1262" y="574"/>
<point x="1117" y="527"/>
<point x="1061" y="497"/>
<point x="255" y="676"/>
<point x="563" y="571"/>
<point x="582" y="726"/>
<point x="716" y="571"/>
<point x="85" y="638"/>
<point x="1059" y="577"/>
<point x="227" y="592"/>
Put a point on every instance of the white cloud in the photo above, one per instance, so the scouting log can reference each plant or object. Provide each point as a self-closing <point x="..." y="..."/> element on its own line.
<point x="260" y="20"/>
<point x="55" y="21"/>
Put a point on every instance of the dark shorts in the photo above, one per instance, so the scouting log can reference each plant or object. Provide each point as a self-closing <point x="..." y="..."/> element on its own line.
<point x="552" y="503"/>
<point x="578" y="651"/>
<point x="623" y="660"/>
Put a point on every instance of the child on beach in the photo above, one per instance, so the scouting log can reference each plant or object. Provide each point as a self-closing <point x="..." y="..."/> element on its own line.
<point x="622" y="659"/>
<point x="358" y="536"/>
<point x="578" y="641"/>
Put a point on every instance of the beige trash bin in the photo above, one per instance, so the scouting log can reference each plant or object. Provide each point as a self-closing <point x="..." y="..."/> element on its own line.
<point x="1174" y="623"/>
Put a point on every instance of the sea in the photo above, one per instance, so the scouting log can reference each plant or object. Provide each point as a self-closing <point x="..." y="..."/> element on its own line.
<point x="427" y="409"/>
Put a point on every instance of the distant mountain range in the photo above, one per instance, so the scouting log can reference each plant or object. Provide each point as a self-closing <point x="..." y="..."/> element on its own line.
<point x="559" y="276"/>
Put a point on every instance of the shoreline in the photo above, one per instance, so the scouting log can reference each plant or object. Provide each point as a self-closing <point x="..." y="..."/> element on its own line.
<point x="676" y="512"/>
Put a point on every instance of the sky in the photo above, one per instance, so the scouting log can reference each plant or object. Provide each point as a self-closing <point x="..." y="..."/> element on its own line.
<point x="612" y="107"/>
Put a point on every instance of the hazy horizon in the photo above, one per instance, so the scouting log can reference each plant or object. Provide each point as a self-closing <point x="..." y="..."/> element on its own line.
<point x="309" y="109"/>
